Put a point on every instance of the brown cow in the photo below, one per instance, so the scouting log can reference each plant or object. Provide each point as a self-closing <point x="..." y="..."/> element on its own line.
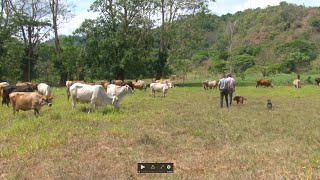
<point x="139" y="85"/>
<point x="239" y="99"/>
<point x="122" y="83"/>
<point x="264" y="82"/>
<point x="28" y="100"/>
<point x="117" y="82"/>
<point x="104" y="84"/>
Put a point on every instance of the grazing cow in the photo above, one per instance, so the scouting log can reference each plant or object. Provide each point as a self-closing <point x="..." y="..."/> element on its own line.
<point x="139" y="85"/>
<point x="129" y="83"/>
<point x="44" y="89"/>
<point x="68" y="84"/>
<point x="117" y="82"/>
<point x="119" y="91"/>
<point x="96" y="95"/>
<point x="4" y="84"/>
<point x="239" y="99"/>
<point x="163" y="81"/>
<point x="28" y="100"/>
<point x="104" y="84"/>
<point x="160" y="88"/>
<point x="24" y="84"/>
<point x="317" y="80"/>
<point x="297" y="83"/>
<point x="122" y="83"/>
<point x="210" y="84"/>
<point x="33" y="85"/>
<point x="9" y="89"/>
<point x="264" y="82"/>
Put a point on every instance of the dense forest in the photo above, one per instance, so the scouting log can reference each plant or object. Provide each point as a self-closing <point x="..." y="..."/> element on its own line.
<point x="153" y="39"/>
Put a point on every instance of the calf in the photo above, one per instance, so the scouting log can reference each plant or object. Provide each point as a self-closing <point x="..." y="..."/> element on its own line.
<point x="28" y="101"/>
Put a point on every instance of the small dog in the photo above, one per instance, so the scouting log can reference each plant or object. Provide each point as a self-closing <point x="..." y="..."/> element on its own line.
<point x="239" y="99"/>
<point x="269" y="104"/>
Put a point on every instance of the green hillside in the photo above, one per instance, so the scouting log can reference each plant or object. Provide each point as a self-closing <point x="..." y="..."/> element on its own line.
<point x="275" y="39"/>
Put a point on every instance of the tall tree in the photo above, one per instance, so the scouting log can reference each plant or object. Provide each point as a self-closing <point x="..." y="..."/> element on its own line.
<point x="32" y="20"/>
<point x="169" y="11"/>
<point x="120" y="38"/>
<point x="60" y="12"/>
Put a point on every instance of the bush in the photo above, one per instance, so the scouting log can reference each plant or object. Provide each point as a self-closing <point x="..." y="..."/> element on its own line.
<point x="243" y="62"/>
<point x="218" y="66"/>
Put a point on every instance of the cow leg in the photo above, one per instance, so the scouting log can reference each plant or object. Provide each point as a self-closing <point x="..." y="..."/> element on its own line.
<point x="154" y="93"/>
<point x="35" y="111"/>
<point x="73" y="104"/>
<point x="14" y="109"/>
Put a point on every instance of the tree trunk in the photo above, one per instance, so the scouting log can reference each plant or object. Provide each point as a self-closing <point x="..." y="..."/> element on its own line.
<point x="63" y="79"/>
<point x="120" y="75"/>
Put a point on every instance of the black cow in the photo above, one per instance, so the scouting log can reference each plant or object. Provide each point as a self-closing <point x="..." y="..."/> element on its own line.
<point x="317" y="80"/>
<point x="9" y="89"/>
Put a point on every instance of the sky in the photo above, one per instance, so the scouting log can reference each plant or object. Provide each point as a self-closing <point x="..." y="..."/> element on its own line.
<point x="219" y="7"/>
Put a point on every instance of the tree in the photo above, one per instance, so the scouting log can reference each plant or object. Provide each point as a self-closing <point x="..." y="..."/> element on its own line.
<point x="169" y="11"/>
<point x="60" y="12"/>
<point x="31" y="18"/>
<point x="120" y="38"/>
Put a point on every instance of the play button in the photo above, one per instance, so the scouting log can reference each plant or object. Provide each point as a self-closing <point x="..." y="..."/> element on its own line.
<point x="142" y="166"/>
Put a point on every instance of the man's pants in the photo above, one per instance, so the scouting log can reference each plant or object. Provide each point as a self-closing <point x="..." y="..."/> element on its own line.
<point x="230" y="95"/>
<point x="223" y="93"/>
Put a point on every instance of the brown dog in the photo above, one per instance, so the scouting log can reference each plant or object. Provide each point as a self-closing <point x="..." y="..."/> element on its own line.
<point x="239" y="99"/>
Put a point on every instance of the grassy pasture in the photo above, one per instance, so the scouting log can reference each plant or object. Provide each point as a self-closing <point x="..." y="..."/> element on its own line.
<point x="187" y="128"/>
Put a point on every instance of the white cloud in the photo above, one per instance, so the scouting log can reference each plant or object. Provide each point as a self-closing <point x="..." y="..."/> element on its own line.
<point x="74" y="23"/>
<point x="221" y="7"/>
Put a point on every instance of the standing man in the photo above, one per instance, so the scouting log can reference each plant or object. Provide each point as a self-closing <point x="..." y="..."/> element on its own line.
<point x="231" y="86"/>
<point x="223" y="87"/>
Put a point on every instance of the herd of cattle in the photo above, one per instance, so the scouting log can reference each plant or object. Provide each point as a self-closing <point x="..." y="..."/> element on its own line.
<point x="261" y="82"/>
<point x="29" y="96"/>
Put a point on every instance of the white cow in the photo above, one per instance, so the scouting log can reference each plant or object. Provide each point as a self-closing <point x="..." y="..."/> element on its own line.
<point x="44" y="89"/>
<point x="296" y="83"/>
<point x="95" y="94"/>
<point x="160" y="88"/>
<point x="3" y="85"/>
<point x="210" y="84"/>
<point x="119" y="91"/>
